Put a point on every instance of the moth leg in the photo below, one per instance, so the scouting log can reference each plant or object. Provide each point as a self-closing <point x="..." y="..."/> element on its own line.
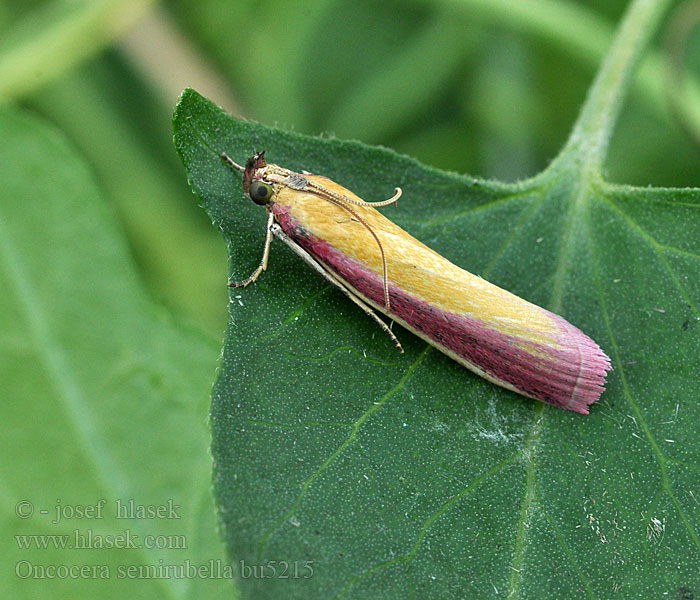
<point x="231" y="163"/>
<point x="368" y="310"/>
<point x="266" y="253"/>
<point x="277" y="230"/>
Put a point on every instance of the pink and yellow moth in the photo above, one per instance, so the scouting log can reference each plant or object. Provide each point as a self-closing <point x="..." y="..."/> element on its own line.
<point x="505" y="339"/>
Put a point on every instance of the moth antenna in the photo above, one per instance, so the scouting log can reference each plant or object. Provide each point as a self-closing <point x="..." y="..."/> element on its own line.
<point x="385" y="276"/>
<point x="392" y="200"/>
<point x="325" y="190"/>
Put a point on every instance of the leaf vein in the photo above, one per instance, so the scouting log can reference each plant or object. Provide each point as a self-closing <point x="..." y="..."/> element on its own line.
<point x="357" y="425"/>
<point x="661" y="459"/>
<point x="567" y="551"/>
<point x="427" y="523"/>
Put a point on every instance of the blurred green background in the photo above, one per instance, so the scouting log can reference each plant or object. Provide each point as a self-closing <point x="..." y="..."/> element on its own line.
<point x="485" y="87"/>
<point x="489" y="88"/>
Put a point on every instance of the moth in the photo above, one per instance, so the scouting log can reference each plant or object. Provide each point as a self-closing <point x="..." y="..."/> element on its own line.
<point x="497" y="335"/>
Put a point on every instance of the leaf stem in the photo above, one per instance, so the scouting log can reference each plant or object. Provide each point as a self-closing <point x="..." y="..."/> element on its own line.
<point x="591" y="134"/>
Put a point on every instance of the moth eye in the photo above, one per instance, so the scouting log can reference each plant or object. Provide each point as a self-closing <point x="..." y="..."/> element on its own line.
<point x="260" y="192"/>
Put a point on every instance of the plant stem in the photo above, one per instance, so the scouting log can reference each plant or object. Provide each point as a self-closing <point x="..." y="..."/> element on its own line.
<point x="591" y="135"/>
<point x="584" y="34"/>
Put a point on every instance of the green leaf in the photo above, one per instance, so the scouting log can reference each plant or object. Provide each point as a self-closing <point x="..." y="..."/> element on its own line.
<point x="104" y="397"/>
<point x="57" y="36"/>
<point x="129" y="147"/>
<point x="407" y="476"/>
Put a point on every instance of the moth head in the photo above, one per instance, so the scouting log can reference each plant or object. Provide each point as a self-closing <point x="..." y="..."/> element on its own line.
<point x="260" y="180"/>
<point x="254" y="184"/>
